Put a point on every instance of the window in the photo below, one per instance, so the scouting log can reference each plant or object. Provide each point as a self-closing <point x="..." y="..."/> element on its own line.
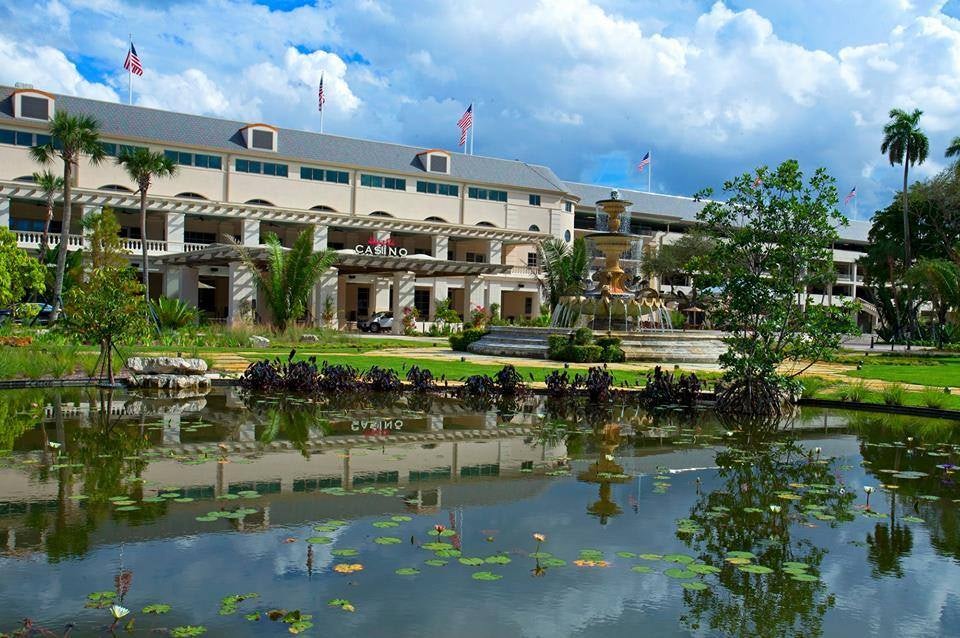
<point x="376" y="181"/>
<point x="23" y="138"/>
<point x="33" y="225"/>
<point x="196" y="237"/>
<point x="451" y="256"/>
<point x="566" y="235"/>
<point x="261" y="139"/>
<point x="476" y="258"/>
<point x="438" y="164"/>
<point x="323" y="175"/>
<point x="37" y="108"/>
<point x="534" y="200"/>
<point x="534" y="228"/>
<point x="568" y="206"/>
<point x="483" y="193"/>
<point x="195" y="159"/>
<point x="435" y="188"/>
<point x="264" y="168"/>
<point x="116" y="150"/>
<point x="421" y="301"/>
<point x="528" y="306"/>
<point x="533" y="260"/>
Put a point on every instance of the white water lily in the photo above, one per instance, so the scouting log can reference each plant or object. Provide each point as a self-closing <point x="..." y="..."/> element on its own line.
<point x="775" y="509"/>
<point x="54" y="445"/>
<point x="609" y="457"/>
<point x="868" y="489"/>
<point x="119" y="612"/>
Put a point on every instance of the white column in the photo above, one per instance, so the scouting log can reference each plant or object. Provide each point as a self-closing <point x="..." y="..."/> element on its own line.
<point x="4" y="212"/>
<point x="327" y="288"/>
<point x="242" y="292"/>
<point x="171" y="282"/>
<point x="536" y="305"/>
<point x="380" y="295"/>
<point x="495" y="252"/>
<point x="250" y="232"/>
<point x="189" y="287"/>
<point x="493" y="294"/>
<point x="473" y="294"/>
<point x="174" y="224"/>
<point x="86" y="211"/>
<point x="439" y="294"/>
<point x="441" y="244"/>
<point x="321" y="234"/>
<point x="404" y="285"/>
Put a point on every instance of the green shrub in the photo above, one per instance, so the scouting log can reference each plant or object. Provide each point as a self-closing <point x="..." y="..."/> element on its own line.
<point x="811" y="386"/>
<point x="613" y="354"/>
<point x="583" y="336"/>
<point x="853" y="392"/>
<point x="584" y="354"/>
<point x="173" y="313"/>
<point x="934" y="399"/>
<point x="461" y="340"/>
<point x="607" y="342"/>
<point x="893" y="394"/>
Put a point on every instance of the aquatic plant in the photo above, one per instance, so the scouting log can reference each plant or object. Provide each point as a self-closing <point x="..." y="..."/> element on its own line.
<point x="379" y="379"/>
<point x="667" y="389"/>
<point x="421" y="379"/>
<point x="599" y="384"/>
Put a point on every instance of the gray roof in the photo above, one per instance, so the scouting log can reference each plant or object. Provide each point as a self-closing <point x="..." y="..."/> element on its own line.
<point x="680" y="209"/>
<point x="166" y="127"/>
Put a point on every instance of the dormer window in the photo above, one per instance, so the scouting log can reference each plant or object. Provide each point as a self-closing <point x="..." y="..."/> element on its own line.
<point x="435" y="161"/>
<point x="30" y="104"/>
<point x="260" y="137"/>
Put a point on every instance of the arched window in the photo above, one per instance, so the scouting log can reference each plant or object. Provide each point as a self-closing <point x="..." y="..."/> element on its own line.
<point x="534" y="228"/>
<point x="566" y="235"/>
<point x="323" y="208"/>
<point x="116" y="187"/>
<point x="259" y="202"/>
<point x="25" y="178"/>
<point x="380" y="213"/>
<point x="439" y="220"/>
<point x="191" y="195"/>
<point x="486" y="224"/>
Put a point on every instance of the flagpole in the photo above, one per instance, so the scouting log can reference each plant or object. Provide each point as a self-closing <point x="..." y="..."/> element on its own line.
<point x="649" y="171"/>
<point x="321" y="121"/>
<point x="130" y="74"/>
<point x="473" y="124"/>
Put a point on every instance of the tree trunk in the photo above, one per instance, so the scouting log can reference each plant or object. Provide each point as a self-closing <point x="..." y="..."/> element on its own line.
<point x="906" y="216"/>
<point x="45" y="237"/>
<point x="143" y="243"/>
<point x="64" y="240"/>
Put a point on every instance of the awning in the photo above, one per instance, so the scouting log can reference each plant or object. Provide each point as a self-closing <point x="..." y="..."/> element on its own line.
<point x="348" y="262"/>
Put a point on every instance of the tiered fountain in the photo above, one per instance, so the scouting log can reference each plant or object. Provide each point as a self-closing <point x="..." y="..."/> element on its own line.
<point x="611" y="304"/>
<point x="637" y="315"/>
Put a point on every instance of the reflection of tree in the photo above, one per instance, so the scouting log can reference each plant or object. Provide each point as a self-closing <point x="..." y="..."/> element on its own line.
<point x="886" y="546"/>
<point x="19" y="411"/>
<point x="739" y="517"/>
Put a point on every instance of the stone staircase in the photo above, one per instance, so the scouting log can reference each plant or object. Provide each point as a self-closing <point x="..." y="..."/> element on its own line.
<point x="512" y="341"/>
<point x="677" y="346"/>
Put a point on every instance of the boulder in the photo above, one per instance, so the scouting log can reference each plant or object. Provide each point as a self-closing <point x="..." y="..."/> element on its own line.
<point x="169" y="381"/>
<point x="166" y="365"/>
<point x="259" y="342"/>
<point x="310" y="339"/>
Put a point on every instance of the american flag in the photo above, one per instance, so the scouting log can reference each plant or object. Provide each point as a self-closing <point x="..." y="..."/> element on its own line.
<point x="465" y="122"/>
<point x="320" y="98"/>
<point x="644" y="162"/>
<point x="132" y="63"/>
<point x="850" y="195"/>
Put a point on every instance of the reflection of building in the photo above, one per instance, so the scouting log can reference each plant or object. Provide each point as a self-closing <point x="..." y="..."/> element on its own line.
<point x="605" y="471"/>
<point x="414" y="226"/>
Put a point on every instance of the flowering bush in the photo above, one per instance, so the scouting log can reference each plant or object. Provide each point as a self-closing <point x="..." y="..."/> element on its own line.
<point x="410" y="317"/>
<point x="479" y="317"/>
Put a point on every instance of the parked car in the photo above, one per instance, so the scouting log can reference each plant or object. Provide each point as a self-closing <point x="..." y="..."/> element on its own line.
<point x="43" y="311"/>
<point x="380" y="321"/>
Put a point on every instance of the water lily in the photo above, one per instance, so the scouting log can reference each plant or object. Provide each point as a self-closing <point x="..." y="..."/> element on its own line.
<point x="54" y="445"/>
<point x="539" y="537"/>
<point x="868" y="489"/>
<point x="439" y="529"/>
<point x="118" y="612"/>
<point x="609" y="457"/>
<point x="775" y="509"/>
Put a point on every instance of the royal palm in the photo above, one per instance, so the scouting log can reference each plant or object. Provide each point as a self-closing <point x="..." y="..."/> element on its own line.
<point x="905" y="143"/>
<point x="50" y="184"/>
<point x="71" y="137"/>
<point x="143" y="166"/>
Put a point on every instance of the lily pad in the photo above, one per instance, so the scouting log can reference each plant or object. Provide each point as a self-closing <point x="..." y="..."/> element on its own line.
<point x="447" y="553"/>
<point x="498" y="559"/>
<point x="407" y="571"/>
<point x="553" y="562"/>
<point x="384" y="524"/>
<point x="738" y="561"/>
<point x="156" y="608"/>
<point x="539" y="554"/>
<point x="471" y="561"/>
<point x="486" y="576"/>
<point x="700" y="568"/>
<point x="695" y="586"/>
<point x="320" y="540"/>
<point x="678" y="558"/>
<point x="677" y="572"/>
<point x="188" y="631"/>
<point x="346" y="551"/>
<point x="435" y="562"/>
<point x="436" y="545"/>
<point x="795" y="565"/>
<point x="755" y="569"/>
<point x="739" y="554"/>
<point x="650" y="556"/>
<point x="642" y="569"/>
<point x="207" y="519"/>
<point x="401" y="519"/>
<point x="387" y="540"/>
<point x="911" y="519"/>
<point x="804" y="578"/>
<point x="626" y="554"/>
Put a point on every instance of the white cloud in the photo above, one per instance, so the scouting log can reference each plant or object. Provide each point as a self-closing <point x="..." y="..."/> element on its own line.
<point x="46" y="67"/>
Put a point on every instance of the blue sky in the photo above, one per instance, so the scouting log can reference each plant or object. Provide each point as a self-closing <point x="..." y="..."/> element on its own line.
<point x="584" y="86"/>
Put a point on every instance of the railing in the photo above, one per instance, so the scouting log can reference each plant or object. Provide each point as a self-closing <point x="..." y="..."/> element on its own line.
<point x="136" y="245"/>
<point x="189" y="248"/>
<point x="524" y="270"/>
<point x="32" y="239"/>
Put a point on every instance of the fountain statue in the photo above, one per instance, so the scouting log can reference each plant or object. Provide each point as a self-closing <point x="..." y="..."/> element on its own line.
<point x="613" y="304"/>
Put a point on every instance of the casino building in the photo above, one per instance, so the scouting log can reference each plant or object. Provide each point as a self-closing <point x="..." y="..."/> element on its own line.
<point x="412" y="226"/>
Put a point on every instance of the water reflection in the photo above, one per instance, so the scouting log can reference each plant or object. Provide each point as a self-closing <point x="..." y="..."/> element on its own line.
<point x="96" y="484"/>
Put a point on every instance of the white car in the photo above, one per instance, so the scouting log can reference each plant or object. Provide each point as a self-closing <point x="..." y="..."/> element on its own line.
<point x="379" y="322"/>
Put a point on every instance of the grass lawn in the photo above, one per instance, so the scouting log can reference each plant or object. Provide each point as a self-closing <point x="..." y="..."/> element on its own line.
<point x="926" y="399"/>
<point x="933" y="371"/>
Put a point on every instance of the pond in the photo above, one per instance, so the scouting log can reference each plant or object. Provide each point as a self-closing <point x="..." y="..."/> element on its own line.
<point x="252" y="516"/>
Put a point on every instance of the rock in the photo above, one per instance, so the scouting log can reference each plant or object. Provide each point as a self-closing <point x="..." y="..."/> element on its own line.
<point x="169" y="381"/>
<point x="259" y="342"/>
<point x="166" y="365"/>
<point x="310" y="339"/>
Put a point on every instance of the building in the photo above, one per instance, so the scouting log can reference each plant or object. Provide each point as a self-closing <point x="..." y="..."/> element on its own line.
<point x="413" y="226"/>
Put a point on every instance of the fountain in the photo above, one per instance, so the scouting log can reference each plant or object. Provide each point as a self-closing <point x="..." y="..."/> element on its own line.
<point x="612" y="304"/>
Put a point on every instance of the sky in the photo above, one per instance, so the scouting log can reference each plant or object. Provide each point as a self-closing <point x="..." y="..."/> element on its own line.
<point x="711" y="89"/>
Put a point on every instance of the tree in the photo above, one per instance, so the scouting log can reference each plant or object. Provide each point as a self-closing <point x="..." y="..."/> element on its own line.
<point x="50" y="184"/>
<point x="904" y="142"/>
<point x="772" y="240"/>
<point x="108" y="309"/>
<point x="289" y="276"/>
<point x="672" y="260"/>
<point x="954" y="148"/>
<point x="19" y="273"/>
<point x="143" y="166"/>
<point x="565" y="267"/>
<point x="103" y="235"/>
<point x="937" y="281"/>
<point x="71" y="137"/>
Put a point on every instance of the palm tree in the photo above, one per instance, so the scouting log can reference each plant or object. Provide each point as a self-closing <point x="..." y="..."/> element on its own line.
<point x="954" y="149"/>
<point x="71" y="137"/>
<point x="143" y="165"/>
<point x="565" y="266"/>
<point x="905" y="143"/>
<point x="289" y="276"/>
<point x="50" y="184"/>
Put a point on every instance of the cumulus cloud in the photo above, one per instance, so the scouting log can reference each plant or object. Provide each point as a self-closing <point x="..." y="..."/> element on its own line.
<point x="569" y="83"/>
